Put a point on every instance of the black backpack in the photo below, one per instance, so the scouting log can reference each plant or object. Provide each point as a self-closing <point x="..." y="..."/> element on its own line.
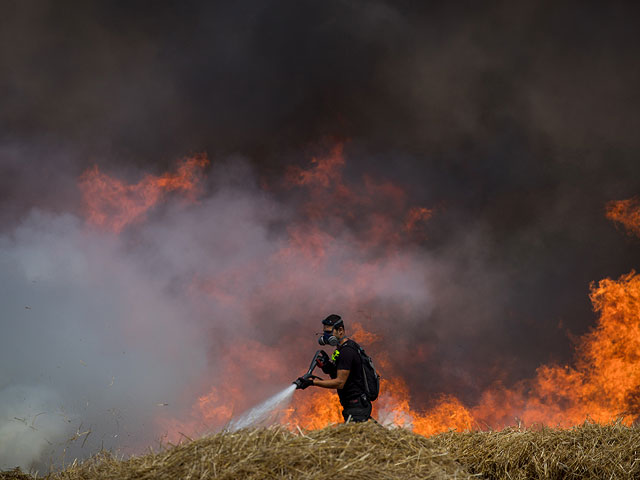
<point x="369" y="375"/>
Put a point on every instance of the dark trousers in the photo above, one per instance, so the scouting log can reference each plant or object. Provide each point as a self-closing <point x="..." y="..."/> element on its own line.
<point x="357" y="410"/>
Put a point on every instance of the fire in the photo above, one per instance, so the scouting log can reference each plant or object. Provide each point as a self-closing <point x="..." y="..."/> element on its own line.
<point x="607" y="371"/>
<point x="318" y="409"/>
<point x="215" y="408"/>
<point x="363" y="336"/>
<point x="393" y="408"/>
<point x="325" y="171"/>
<point x="602" y="383"/>
<point x="416" y="217"/>
<point x="380" y="210"/>
<point x="626" y="212"/>
<point x="112" y="204"/>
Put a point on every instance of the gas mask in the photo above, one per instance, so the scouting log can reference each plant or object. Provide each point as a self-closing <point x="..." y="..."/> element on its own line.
<point x="328" y="338"/>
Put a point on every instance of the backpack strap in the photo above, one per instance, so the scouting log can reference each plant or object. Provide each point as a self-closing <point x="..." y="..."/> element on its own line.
<point x="352" y="344"/>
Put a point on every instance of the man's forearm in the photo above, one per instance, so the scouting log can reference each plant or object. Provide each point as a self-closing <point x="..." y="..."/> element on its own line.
<point x="333" y="383"/>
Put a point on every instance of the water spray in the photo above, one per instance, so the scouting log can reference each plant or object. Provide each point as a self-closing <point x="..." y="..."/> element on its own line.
<point x="264" y="413"/>
<point x="267" y="411"/>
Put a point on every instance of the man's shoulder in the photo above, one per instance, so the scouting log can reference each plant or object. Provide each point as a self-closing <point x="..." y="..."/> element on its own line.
<point x="349" y="351"/>
<point x="351" y="343"/>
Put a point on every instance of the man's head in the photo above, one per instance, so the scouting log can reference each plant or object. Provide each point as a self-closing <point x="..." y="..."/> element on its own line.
<point x="333" y="330"/>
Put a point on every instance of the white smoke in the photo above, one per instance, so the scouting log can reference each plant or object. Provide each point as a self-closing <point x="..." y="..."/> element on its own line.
<point x="30" y="420"/>
<point x="99" y="340"/>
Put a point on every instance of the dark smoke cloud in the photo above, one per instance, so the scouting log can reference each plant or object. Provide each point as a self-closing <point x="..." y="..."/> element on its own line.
<point x="516" y="121"/>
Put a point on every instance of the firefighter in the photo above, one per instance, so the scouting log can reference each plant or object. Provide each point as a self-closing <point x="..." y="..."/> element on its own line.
<point x="344" y="369"/>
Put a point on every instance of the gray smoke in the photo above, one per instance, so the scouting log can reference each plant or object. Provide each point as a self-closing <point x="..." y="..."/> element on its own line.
<point x="89" y="339"/>
<point x="28" y="423"/>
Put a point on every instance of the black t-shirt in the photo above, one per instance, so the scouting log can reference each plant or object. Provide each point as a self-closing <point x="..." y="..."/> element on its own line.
<point x="349" y="359"/>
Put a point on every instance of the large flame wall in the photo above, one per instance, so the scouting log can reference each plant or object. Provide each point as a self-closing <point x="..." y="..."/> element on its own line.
<point x="601" y="383"/>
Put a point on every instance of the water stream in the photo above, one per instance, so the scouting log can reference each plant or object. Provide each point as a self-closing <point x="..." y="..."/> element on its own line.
<point x="264" y="413"/>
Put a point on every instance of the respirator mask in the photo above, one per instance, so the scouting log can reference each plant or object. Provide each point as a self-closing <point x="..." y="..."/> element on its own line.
<point x="327" y="337"/>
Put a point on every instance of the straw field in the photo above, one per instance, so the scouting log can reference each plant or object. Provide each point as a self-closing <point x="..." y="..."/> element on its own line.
<point x="369" y="451"/>
<point x="588" y="451"/>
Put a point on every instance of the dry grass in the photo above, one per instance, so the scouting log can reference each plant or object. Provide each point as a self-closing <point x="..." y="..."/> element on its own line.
<point x="368" y="451"/>
<point x="14" y="474"/>
<point x="364" y="451"/>
<point x="588" y="451"/>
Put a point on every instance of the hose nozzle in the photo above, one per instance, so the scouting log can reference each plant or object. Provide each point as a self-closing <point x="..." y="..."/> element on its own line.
<point x="300" y="382"/>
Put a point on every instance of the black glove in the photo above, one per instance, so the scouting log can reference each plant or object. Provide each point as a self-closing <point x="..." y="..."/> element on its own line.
<point x="304" y="381"/>
<point x="322" y="359"/>
<point x="325" y="363"/>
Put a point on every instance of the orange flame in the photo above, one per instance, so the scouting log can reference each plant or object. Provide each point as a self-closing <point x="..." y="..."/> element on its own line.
<point x="359" y="334"/>
<point x="379" y="208"/>
<point x="626" y="212"/>
<point x="602" y="383"/>
<point x="394" y="408"/>
<point x="417" y="216"/>
<point x="314" y="409"/>
<point x="325" y="171"/>
<point x="112" y="204"/>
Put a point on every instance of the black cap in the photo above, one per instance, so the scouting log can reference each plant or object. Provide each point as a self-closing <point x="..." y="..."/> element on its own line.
<point x="332" y="320"/>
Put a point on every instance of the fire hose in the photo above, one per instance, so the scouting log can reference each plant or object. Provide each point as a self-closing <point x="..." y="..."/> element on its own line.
<point x="309" y="375"/>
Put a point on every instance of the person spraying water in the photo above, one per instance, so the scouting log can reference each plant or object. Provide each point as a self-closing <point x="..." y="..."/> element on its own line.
<point x="351" y="372"/>
<point x="350" y="369"/>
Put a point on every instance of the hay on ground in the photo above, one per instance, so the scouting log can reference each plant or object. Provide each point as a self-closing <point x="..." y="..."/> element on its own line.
<point x="15" y="474"/>
<point x="356" y="451"/>
<point x="587" y="451"/>
<point x="369" y="451"/>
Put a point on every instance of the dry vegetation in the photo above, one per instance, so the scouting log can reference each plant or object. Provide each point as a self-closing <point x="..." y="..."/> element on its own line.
<point x="588" y="451"/>
<point x="369" y="451"/>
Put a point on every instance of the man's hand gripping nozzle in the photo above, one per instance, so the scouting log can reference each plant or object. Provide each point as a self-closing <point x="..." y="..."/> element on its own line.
<point x="306" y="380"/>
